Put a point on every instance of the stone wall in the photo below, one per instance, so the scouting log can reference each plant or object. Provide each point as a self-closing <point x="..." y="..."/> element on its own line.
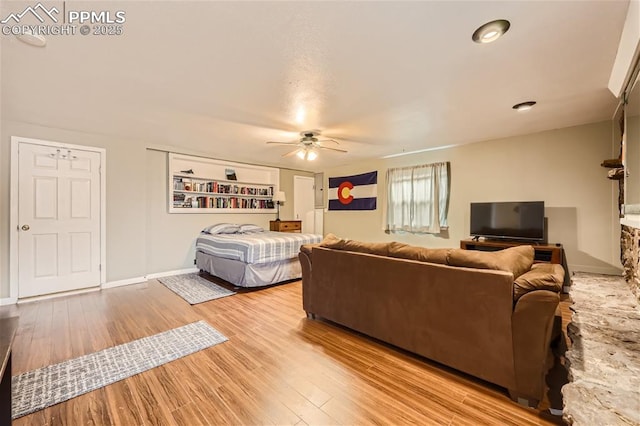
<point x="630" y="257"/>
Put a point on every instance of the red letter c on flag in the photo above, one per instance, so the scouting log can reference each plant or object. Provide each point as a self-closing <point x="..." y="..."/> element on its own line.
<point x="344" y="192"/>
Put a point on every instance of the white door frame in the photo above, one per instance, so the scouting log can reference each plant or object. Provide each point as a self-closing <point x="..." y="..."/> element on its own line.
<point x="13" y="216"/>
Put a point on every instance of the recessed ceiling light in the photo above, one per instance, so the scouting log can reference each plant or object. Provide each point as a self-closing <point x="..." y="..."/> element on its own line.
<point x="32" y="39"/>
<point x="524" y="106"/>
<point x="491" y="31"/>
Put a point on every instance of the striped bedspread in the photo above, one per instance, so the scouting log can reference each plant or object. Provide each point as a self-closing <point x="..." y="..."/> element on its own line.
<point x="259" y="247"/>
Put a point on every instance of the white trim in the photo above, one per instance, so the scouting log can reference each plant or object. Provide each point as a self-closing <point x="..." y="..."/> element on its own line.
<point x="56" y="295"/>
<point x="606" y="270"/>
<point x="140" y="280"/>
<point x="170" y="273"/>
<point x="13" y="202"/>
<point x="8" y="301"/>
<point x="120" y="283"/>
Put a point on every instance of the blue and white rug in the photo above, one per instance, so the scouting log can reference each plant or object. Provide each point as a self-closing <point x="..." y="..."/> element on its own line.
<point x="193" y="288"/>
<point x="46" y="386"/>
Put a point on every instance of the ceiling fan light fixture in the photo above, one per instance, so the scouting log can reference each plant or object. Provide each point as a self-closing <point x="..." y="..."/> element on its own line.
<point x="524" y="106"/>
<point x="301" y="154"/>
<point x="311" y="155"/>
<point x="491" y="31"/>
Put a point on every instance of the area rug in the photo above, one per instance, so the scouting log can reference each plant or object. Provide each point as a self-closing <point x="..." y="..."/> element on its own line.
<point x="46" y="386"/>
<point x="194" y="289"/>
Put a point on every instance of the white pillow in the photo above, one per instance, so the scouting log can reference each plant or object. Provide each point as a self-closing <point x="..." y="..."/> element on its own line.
<point x="248" y="228"/>
<point x="222" y="228"/>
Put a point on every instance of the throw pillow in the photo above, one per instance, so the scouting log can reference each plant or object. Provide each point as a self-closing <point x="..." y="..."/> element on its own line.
<point x="248" y="228"/>
<point x="222" y="228"/>
<point x="516" y="260"/>
<point x="542" y="276"/>
<point x="421" y="254"/>
<point x="333" y="242"/>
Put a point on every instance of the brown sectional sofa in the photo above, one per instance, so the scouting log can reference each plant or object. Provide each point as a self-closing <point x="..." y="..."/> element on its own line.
<point x="489" y="315"/>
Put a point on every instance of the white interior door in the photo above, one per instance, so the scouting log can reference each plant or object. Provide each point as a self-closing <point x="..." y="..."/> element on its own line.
<point x="59" y="225"/>
<point x="303" y="202"/>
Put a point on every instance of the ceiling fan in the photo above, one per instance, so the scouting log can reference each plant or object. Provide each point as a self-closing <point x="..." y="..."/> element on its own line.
<point x="308" y="146"/>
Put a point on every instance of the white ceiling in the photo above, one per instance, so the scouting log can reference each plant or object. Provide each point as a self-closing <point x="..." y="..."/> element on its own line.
<point x="382" y="77"/>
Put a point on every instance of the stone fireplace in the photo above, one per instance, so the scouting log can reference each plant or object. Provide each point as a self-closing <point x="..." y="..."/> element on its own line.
<point x="630" y="257"/>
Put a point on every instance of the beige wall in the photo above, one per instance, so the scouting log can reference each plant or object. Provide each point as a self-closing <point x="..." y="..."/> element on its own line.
<point x="142" y="237"/>
<point x="125" y="193"/>
<point x="561" y="167"/>
<point x="171" y="237"/>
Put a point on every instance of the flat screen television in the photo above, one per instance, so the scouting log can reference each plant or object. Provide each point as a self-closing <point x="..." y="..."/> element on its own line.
<point x="514" y="220"/>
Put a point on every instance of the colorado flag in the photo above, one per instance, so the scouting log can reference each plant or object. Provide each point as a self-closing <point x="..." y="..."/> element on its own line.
<point x="353" y="192"/>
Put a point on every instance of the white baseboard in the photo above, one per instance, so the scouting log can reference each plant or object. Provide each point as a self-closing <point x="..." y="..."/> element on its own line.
<point x="606" y="270"/>
<point x="8" y="301"/>
<point x="55" y="295"/>
<point x="170" y="273"/>
<point x="120" y="283"/>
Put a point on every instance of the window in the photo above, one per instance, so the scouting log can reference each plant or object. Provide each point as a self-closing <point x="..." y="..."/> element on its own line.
<point x="418" y="198"/>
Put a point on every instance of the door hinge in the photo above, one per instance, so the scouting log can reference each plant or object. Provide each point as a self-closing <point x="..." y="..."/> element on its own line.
<point x="100" y="267"/>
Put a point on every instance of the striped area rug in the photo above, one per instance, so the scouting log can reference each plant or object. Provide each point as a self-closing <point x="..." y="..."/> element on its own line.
<point x="46" y="386"/>
<point x="193" y="288"/>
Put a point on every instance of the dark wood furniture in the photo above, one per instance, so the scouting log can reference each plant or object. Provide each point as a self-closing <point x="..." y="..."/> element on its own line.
<point x="285" y="225"/>
<point x="8" y="327"/>
<point x="552" y="253"/>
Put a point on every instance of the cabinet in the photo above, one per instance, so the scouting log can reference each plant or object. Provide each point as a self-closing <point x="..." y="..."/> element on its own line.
<point x="202" y="185"/>
<point x="285" y="225"/>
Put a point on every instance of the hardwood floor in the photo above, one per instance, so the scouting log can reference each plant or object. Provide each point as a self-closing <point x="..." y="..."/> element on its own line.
<point x="278" y="367"/>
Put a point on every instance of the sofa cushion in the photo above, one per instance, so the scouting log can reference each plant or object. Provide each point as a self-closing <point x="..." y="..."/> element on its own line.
<point x="516" y="260"/>
<point x="307" y="248"/>
<point x="333" y="242"/>
<point x="422" y="254"/>
<point x="542" y="276"/>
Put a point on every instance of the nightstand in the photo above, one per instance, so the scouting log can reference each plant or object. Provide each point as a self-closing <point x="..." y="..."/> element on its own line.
<point x="285" y="225"/>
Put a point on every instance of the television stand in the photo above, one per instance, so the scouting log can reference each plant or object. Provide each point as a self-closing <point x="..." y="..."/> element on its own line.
<point x="551" y="253"/>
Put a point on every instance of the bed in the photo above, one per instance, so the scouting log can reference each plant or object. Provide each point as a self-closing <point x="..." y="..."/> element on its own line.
<point x="248" y="256"/>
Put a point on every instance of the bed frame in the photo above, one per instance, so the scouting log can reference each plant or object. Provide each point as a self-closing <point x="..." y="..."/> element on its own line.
<point x="249" y="275"/>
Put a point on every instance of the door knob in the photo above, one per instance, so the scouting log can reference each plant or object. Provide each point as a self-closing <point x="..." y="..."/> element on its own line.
<point x="25" y="227"/>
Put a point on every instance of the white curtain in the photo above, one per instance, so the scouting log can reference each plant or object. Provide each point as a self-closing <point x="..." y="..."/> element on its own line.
<point x="418" y="198"/>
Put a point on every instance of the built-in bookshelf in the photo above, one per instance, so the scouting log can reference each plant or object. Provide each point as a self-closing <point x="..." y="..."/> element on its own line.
<point x="203" y="185"/>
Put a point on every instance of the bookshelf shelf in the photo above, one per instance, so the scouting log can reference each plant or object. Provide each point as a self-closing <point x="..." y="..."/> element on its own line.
<point x="205" y="190"/>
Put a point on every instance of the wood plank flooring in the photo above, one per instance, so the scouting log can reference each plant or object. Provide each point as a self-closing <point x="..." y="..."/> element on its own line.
<point x="278" y="367"/>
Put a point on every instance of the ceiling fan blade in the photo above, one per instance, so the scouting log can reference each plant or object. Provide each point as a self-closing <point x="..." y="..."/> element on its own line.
<point x="332" y="149"/>
<point x="292" y="153"/>
<point x="329" y="140"/>
<point x="282" y="143"/>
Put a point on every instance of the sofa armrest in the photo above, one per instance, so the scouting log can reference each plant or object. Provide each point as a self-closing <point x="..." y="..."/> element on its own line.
<point x="305" y="264"/>
<point x="532" y="323"/>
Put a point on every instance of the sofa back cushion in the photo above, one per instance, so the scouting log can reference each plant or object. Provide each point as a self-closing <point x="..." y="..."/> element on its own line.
<point x="422" y="254"/>
<point x="542" y="276"/>
<point x="333" y="242"/>
<point x="516" y="260"/>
